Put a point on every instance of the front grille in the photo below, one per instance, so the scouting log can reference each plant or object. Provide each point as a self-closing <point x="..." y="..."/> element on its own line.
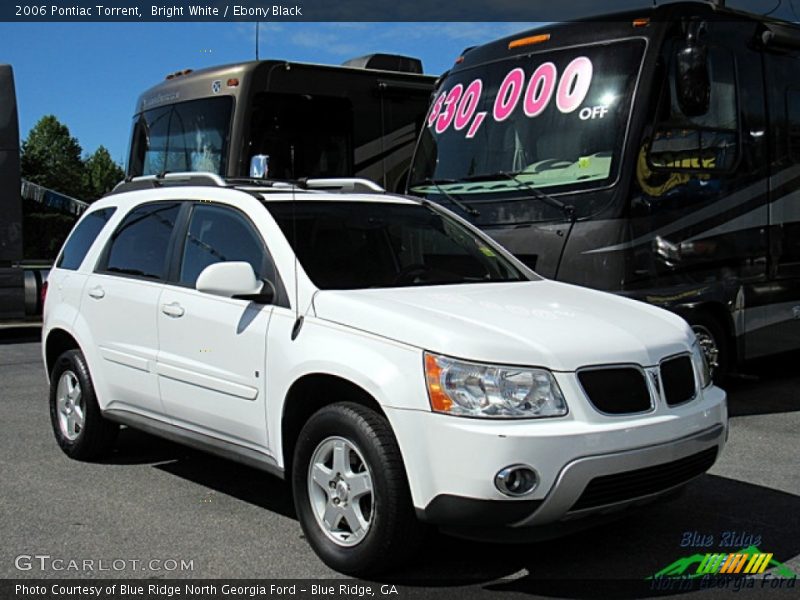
<point x="677" y="377"/>
<point x="610" y="489"/>
<point x="616" y="390"/>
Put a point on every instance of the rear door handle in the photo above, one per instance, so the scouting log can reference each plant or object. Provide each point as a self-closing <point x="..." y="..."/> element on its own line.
<point x="97" y="292"/>
<point x="173" y="309"/>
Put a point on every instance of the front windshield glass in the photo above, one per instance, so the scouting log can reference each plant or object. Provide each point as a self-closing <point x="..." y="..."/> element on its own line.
<point x="554" y="121"/>
<point x="356" y="245"/>
<point x="188" y="136"/>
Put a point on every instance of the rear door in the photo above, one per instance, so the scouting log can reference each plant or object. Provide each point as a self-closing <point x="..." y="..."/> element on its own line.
<point x="213" y="349"/>
<point x="119" y="306"/>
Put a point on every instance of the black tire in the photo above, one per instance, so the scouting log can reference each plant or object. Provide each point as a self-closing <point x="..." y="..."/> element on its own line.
<point x="96" y="437"/>
<point x="706" y="324"/>
<point x="394" y="533"/>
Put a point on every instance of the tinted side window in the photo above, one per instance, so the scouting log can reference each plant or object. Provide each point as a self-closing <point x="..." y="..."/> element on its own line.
<point x="218" y="234"/>
<point x="706" y="142"/>
<point x="82" y="238"/>
<point x="317" y="127"/>
<point x="793" y="122"/>
<point x="140" y="243"/>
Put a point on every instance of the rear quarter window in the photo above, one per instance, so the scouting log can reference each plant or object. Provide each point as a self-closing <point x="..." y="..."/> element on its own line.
<point x="82" y="238"/>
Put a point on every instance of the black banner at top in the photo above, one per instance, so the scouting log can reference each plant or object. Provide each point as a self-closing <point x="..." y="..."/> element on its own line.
<point x="341" y="10"/>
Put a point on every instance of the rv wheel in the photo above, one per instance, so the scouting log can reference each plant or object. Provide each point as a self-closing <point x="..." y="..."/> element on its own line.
<point x="714" y="344"/>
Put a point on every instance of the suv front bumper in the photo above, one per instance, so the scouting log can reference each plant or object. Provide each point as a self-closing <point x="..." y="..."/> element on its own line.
<point x="583" y="468"/>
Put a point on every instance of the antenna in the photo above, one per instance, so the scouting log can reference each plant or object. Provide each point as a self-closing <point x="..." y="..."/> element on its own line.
<point x="298" y="323"/>
<point x="258" y="26"/>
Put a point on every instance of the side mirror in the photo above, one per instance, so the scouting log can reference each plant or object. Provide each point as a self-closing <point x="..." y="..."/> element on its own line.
<point x="259" y="166"/>
<point x="692" y="79"/>
<point x="235" y="280"/>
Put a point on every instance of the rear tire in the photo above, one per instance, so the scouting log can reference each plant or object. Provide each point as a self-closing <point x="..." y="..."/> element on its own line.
<point x="80" y="429"/>
<point x="351" y="493"/>
<point x="714" y="343"/>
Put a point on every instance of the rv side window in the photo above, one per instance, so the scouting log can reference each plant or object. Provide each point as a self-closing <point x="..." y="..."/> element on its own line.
<point x="82" y="238"/>
<point x="793" y="123"/>
<point x="317" y="127"/>
<point x="706" y="142"/>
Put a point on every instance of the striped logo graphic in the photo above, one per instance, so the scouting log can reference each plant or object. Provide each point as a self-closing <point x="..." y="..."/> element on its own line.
<point x="734" y="563"/>
<point x="746" y="561"/>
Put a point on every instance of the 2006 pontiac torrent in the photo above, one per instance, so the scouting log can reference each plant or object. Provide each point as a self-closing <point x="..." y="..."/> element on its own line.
<point x="393" y="362"/>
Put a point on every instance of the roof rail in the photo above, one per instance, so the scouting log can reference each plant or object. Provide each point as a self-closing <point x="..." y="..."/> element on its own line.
<point x="147" y="182"/>
<point x="341" y="184"/>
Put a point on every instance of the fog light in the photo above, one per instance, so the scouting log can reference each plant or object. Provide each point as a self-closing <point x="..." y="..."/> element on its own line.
<point x="516" y="480"/>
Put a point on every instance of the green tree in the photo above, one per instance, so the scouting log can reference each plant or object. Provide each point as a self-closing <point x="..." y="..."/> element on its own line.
<point x="100" y="174"/>
<point x="51" y="157"/>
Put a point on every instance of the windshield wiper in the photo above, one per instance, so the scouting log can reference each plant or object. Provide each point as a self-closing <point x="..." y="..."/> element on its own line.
<point x="567" y="209"/>
<point x="437" y="183"/>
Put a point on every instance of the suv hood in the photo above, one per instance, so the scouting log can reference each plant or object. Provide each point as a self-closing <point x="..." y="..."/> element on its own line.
<point x="537" y="323"/>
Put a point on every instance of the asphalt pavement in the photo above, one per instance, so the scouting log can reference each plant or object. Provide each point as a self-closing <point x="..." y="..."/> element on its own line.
<point x="163" y="511"/>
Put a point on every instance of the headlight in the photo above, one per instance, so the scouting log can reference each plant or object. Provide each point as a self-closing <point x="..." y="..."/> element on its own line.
<point x="701" y="366"/>
<point x="469" y="389"/>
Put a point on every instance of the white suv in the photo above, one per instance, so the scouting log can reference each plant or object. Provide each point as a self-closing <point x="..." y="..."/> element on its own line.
<point x="393" y="362"/>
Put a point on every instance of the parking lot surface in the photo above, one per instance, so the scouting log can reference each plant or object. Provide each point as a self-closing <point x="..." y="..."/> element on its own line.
<point x="170" y="512"/>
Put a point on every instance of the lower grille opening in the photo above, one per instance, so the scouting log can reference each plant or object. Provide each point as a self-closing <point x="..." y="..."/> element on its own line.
<point x="619" y="487"/>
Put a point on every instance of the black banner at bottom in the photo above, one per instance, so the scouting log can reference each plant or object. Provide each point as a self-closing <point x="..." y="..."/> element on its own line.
<point x="347" y="589"/>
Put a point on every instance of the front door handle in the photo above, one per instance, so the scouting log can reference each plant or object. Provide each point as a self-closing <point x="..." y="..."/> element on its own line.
<point x="97" y="292"/>
<point x="173" y="309"/>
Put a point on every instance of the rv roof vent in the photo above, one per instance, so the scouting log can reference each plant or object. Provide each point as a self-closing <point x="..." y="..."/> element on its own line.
<point x="386" y="62"/>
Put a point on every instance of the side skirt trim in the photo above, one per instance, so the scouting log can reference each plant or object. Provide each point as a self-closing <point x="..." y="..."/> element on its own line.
<point x="198" y="441"/>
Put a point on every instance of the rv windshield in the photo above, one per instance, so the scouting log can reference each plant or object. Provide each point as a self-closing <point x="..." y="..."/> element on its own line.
<point x="187" y="136"/>
<point x="554" y="120"/>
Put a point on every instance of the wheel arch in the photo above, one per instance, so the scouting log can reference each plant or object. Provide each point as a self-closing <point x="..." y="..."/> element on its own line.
<point x="57" y="342"/>
<point x="308" y="394"/>
<point x="719" y="312"/>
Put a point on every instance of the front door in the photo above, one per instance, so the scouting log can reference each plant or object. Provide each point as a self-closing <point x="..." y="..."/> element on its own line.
<point x="212" y="349"/>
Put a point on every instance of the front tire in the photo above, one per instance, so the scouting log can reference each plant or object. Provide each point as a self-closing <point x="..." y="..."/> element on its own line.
<point x="80" y="429"/>
<point x="351" y="492"/>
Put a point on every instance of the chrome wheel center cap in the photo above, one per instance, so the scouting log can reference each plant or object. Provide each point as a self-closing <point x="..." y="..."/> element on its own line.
<point x="341" y="491"/>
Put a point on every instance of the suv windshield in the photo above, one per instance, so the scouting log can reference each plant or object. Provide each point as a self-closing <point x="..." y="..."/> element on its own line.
<point x="354" y="245"/>
<point x="555" y="120"/>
